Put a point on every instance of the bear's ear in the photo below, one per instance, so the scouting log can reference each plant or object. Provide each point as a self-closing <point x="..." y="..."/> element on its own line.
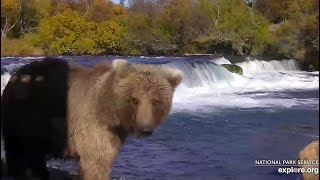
<point x="121" y="67"/>
<point x="174" y="76"/>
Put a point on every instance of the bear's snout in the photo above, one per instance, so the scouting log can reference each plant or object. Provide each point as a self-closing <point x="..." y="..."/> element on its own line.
<point x="145" y="131"/>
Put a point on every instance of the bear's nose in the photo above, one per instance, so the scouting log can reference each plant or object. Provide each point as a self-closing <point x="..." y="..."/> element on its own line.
<point x="147" y="131"/>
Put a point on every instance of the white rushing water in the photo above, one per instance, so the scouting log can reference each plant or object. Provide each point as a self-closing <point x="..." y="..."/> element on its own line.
<point x="4" y="80"/>
<point x="263" y="84"/>
<point x="207" y="84"/>
<point x="259" y="66"/>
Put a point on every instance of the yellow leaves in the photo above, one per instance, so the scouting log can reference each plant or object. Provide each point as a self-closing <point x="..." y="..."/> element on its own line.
<point x="25" y="46"/>
<point x="43" y="7"/>
<point x="110" y="35"/>
<point x="310" y="24"/>
<point x="171" y="26"/>
<point x="10" y="4"/>
<point x="10" y="9"/>
<point x="102" y="10"/>
<point x="68" y="32"/>
<point x="71" y="33"/>
<point x="118" y="10"/>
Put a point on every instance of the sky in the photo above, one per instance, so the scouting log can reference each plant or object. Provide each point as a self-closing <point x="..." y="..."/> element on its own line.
<point x="116" y="1"/>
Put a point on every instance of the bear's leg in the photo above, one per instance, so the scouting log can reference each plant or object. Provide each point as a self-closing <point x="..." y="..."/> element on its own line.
<point x="15" y="159"/>
<point x="96" y="155"/>
<point x="97" y="169"/>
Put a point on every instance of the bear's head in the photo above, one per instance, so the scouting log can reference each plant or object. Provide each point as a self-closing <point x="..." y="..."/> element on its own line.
<point x="144" y="95"/>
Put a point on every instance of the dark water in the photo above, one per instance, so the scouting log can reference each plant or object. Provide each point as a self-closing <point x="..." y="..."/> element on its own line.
<point x="216" y="141"/>
<point x="219" y="146"/>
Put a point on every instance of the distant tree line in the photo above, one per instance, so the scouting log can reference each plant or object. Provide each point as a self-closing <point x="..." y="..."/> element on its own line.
<point x="274" y="28"/>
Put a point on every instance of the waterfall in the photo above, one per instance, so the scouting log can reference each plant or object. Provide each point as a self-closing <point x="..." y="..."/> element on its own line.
<point x="203" y="73"/>
<point x="209" y="74"/>
<point x="258" y="66"/>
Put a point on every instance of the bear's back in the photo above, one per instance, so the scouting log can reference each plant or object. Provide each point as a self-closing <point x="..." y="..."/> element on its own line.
<point x="42" y="82"/>
<point x="33" y="103"/>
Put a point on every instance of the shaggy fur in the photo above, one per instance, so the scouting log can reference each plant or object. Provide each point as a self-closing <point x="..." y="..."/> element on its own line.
<point x="310" y="152"/>
<point x="33" y="111"/>
<point x="81" y="112"/>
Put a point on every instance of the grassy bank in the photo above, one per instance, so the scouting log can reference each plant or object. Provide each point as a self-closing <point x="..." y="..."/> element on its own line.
<point x="25" y="46"/>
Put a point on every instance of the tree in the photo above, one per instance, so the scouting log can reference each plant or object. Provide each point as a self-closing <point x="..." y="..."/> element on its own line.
<point x="77" y="5"/>
<point x="298" y="36"/>
<point x="297" y="9"/>
<point x="44" y="7"/>
<point x="235" y="28"/>
<point x="110" y="35"/>
<point x="29" y="17"/>
<point x="10" y="11"/>
<point x="68" y="33"/>
<point x="101" y="10"/>
<point x="274" y="10"/>
<point x="185" y="22"/>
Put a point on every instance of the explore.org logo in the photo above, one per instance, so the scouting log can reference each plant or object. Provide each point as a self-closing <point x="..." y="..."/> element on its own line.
<point x="291" y="166"/>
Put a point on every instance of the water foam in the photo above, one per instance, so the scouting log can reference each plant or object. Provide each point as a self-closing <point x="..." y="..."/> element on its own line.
<point x="220" y="61"/>
<point x="207" y="85"/>
<point x="4" y="81"/>
<point x="258" y="66"/>
<point x="12" y="67"/>
<point x="203" y="74"/>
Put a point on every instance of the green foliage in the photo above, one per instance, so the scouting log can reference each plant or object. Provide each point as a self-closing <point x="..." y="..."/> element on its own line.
<point x="298" y="36"/>
<point x="299" y="8"/>
<point x="109" y="37"/>
<point x="29" y="18"/>
<point x="237" y="25"/>
<point x="44" y="7"/>
<point x="286" y="42"/>
<point x="140" y="34"/>
<point x="315" y="43"/>
<point x="146" y="35"/>
<point x="274" y="10"/>
<point x="283" y="29"/>
<point x="243" y="27"/>
<point x="72" y="33"/>
<point x="10" y="10"/>
<point x="25" y="46"/>
<point x="68" y="33"/>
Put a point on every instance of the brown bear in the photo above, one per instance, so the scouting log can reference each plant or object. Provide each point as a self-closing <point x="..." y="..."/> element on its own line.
<point x="310" y="152"/>
<point x="62" y="109"/>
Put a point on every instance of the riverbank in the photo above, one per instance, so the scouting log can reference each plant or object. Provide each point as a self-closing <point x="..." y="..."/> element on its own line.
<point x="20" y="47"/>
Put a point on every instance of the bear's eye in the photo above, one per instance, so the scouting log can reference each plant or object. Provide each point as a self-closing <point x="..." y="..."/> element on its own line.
<point x="156" y="102"/>
<point x="134" y="100"/>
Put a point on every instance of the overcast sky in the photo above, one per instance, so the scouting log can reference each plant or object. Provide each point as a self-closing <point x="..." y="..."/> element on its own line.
<point x="116" y="1"/>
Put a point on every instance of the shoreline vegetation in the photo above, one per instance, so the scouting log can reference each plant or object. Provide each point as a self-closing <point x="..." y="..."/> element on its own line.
<point x="287" y="29"/>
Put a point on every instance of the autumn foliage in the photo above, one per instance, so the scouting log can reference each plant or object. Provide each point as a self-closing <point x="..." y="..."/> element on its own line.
<point x="279" y="29"/>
